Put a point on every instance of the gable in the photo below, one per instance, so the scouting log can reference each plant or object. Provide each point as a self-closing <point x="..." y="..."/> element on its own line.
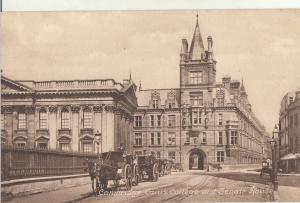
<point x="8" y="85"/>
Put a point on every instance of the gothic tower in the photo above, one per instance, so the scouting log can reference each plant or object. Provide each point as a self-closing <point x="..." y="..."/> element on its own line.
<point x="198" y="67"/>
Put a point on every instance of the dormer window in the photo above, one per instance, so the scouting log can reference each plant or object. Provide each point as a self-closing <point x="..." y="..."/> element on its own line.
<point x="196" y="77"/>
<point x="155" y="103"/>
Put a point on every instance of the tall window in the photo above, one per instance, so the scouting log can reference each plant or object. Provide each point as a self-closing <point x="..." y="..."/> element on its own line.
<point x="65" y="119"/>
<point x="234" y="138"/>
<point x="151" y="120"/>
<point x="196" y="99"/>
<point x="42" y="145"/>
<point x="158" y="120"/>
<point x="21" y="120"/>
<point x="138" y="139"/>
<point x="296" y="120"/>
<point x="87" y="118"/>
<point x="196" y="77"/>
<point x="220" y="119"/>
<point x="171" y="120"/>
<point x="138" y="121"/>
<point x="87" y="147"/>
<point x="2" y="121"/>
<point x="204" y="138"/>
<point x="171" y="138"/>
<point x="197" y="117"/>
<point x="220" y="137"/>
<point x="43" y="119"/>
<point x="171" y="155"/>
<point x="155" y="103"/>
<point x="220" y="156"/>
<point x="158" y="139"/>
<point x="171" y="102"/>
<point x="152" y="138"/>
<point x="64" y="146"/>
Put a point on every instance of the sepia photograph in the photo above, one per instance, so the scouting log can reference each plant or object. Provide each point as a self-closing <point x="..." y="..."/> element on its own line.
<point x="137" y="106"/>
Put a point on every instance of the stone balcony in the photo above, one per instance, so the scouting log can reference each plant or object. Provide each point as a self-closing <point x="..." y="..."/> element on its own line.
<point x="65" y="132"/>
<point x="42" y="133"/>
<point x="87" y="133"/>
<point x="20" y="133"/>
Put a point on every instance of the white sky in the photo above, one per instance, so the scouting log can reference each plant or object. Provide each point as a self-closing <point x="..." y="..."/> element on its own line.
<point x="260" y="46"/>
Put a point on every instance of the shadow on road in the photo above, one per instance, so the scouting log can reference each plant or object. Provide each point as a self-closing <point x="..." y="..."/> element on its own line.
<point x="254" y="178"/>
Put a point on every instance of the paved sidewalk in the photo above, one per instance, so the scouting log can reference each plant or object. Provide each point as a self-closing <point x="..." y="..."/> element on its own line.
<point x="289" y="194"/>
<point x="62" y="195"/>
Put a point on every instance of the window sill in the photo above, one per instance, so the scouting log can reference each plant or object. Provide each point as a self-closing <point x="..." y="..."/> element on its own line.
<point x="171" y="145"/>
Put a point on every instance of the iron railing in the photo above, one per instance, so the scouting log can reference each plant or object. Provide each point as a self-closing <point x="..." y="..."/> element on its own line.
<point x="33" y="162"/>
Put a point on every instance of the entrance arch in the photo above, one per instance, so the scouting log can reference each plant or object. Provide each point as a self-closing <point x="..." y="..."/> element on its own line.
<point x="196" y="159"/>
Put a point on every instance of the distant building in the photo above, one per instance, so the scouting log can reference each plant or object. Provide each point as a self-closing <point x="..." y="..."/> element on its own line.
<point x="289" y="132"/>
<point x="200" y="122"/>
<point x="67" y="115"/>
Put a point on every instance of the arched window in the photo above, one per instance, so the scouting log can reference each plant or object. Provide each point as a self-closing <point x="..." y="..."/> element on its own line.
<point x="43" y="119"/>
<point x="87" y="118"/>
<point x="65" y="119"/>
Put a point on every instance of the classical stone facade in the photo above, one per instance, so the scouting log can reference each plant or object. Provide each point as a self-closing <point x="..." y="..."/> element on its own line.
<point x="201" y="121"/>
<point x="289" y="132"/>
<point x="67" y="115"/>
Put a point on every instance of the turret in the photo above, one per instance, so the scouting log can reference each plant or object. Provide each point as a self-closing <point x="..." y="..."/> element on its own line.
<point x="184" y="50"/>
<point x="210" y="53"/>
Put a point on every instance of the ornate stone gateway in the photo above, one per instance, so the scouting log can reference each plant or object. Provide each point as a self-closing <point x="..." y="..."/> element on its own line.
<point x="196" y="159"/>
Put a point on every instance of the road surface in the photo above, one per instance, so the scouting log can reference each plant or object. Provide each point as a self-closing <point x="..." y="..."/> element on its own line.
<point x="188" y="188"/>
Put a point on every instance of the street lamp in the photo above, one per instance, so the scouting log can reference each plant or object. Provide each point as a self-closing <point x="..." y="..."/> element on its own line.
<point x="274" y="157"/>
<point x="98" y="138"/>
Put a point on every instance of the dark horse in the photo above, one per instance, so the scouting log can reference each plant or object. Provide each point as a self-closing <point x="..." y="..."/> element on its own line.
<point x="92" y="169"/>
<point x="98" y="175"/>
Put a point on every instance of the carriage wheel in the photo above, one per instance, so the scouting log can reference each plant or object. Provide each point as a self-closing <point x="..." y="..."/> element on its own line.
<point x="155" y="172"/>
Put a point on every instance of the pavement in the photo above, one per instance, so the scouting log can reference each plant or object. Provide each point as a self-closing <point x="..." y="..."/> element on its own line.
<point x="70" y="194"/>
<point x="288" y="194"/>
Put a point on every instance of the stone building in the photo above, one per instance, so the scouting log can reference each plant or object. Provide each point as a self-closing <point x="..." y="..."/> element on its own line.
<point x="201" y="121"/>
<point x="289" y="132"/>
<point x="66" y="115"/>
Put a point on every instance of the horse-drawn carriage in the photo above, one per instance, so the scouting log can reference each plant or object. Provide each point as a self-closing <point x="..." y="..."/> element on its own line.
<point x="148" y="168"/>
<point x="164" y="167"/>
<point x="115" y="167"/>
<point x="266" y="169"/>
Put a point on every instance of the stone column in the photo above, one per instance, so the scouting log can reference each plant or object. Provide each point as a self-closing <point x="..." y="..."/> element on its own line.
<point x="75" y="128"/>
<point x="8" y="123"/>
<point x="30" y="111"/>
<point x="97" y="124"/>
<point x="53" y="127"/>
<point x="110" y="130"/>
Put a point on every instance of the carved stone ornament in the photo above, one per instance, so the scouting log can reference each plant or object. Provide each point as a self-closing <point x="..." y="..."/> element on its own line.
<point x="97" y="108"/>
<point x="52" y="109"/>
<point x="6" y="109"/>
<point x="75" y="109"/>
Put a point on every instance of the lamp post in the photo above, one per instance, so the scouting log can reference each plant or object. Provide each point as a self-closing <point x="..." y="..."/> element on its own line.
<point x="274" y="157"/>
<point x="98" y="138"/>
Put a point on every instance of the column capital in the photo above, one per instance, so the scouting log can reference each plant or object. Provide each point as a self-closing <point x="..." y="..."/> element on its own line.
<point x="75" y="108"/>
<point x="97" y="108"/>
<point x="52" y="109"/>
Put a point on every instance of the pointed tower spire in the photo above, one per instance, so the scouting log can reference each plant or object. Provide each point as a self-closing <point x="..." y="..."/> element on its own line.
<point x="130" y="76"/>
<point x="140" y="86"/>
<point x="242" y="89"/>
<point x="197" y="47"/>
